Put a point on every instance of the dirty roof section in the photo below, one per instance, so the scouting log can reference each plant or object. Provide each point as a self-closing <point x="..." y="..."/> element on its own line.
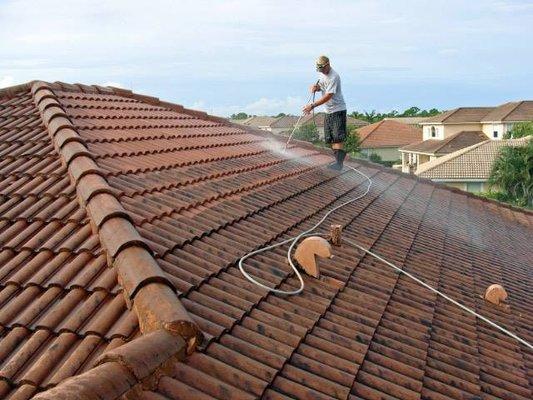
<point x="452" y="143"/>
<point x="201" y="193"/>
<point x="60" y="305"/>
<point x="460" y="115"/>
<point x="513" y="111"/>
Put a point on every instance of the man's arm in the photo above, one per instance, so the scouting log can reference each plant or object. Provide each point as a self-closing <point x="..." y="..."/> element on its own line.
<point x="324" y="99"/>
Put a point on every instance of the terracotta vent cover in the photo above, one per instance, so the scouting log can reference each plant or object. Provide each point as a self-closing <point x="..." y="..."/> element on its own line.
<point x="307" y="251"/>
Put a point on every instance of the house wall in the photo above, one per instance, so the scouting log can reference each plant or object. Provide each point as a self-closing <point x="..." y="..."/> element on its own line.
<point x="444" y="131"/>
<point x="500" y="128"/>
<point x="386" y="153"/>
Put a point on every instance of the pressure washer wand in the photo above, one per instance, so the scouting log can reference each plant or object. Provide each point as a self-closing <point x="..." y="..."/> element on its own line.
<point x="297" y="124"/>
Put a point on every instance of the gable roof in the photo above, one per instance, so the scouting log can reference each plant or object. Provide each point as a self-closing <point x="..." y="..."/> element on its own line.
<point x="473" y="162"/>
<point x="452" y="143"/>
<point x="109" y="199"/>
<point x="514" y="111"/>
<point x="388" y="133"/>
<point x="287" y="121"/>
<point x="460" y="115"/>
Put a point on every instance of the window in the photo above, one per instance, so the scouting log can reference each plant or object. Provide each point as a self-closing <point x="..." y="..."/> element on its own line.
<point x="433" y="132"/>
<point x="495" y="134"/>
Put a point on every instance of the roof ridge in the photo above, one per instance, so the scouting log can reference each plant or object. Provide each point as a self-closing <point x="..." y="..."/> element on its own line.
<point x="146" y="288"/>
<point x="450" y="114"/>
<point x="512" y="109"/>
<point x="121" y="369"/>
<point x="378" y="124"/>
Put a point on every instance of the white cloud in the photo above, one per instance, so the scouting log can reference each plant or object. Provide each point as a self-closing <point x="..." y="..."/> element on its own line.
<point x="6" y="81"/>
<point x="261" y="106"/>
<point x="264" y="50"/>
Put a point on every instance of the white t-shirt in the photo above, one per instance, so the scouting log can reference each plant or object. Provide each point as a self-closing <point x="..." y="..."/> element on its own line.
<point x="331" y="83"/>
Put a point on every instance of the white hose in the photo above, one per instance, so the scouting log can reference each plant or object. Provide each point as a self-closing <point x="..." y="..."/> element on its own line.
<point x="295" y="240"/>
<point x="309" y="232"/>
<point x="297" y="124"/>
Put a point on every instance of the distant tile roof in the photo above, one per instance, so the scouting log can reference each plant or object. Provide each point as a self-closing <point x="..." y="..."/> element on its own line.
<point x="320" y="117"/>
<point x="110" y="200"/>
<point x="287" y="121"/>
<point x="511" y="112"/>
<point x="448" y="145"/>
<point x="240" y="121"/>
<point x="388" y="133"/>
<point x="408" y="120"/>
<point x="474" y="162"/>
<point x="461" y="115"/>
<point x="260" y="121"/>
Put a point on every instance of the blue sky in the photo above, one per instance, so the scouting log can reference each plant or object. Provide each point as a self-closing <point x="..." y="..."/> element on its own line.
<point x="257" y="56"/>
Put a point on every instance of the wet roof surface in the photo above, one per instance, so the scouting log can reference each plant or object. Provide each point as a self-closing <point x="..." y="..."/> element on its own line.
<point x="203" y="194"/>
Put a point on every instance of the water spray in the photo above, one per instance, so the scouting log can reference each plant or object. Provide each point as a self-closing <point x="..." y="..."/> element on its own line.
<point x="313" y="232"/>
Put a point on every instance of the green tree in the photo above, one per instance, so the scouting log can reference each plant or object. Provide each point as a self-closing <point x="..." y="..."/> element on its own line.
<point x="522" y="129"/>
<point x="241" y="115"/>
<point x="351" y="145"/>
<point x="375" y="158"/>
<point x="280" y="115"/>
<point x="512" y="174"/>
<point x="411" y="112"/>
<point x="307" y="132"/>
<point x="374" y="116"/>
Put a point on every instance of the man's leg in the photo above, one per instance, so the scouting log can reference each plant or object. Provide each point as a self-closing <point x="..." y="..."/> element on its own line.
<point x="340" y="154"/>
<point x="339" y="136"/>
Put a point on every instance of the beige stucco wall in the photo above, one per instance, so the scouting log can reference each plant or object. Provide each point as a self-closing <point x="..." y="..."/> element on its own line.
<point x="386" y="154"/>
<point x="444" y="131"/>
<point x="502" y="129"/>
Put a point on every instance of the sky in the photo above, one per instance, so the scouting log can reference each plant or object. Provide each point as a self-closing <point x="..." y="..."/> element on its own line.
<point x="258" y="57"/>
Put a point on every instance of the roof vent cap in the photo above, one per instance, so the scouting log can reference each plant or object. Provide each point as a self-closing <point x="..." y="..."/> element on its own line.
<point x="495" y="294"/>
<point x="307" y="251"/>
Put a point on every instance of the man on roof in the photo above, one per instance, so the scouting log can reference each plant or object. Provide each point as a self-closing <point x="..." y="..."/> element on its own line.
<point x="329" y="83"/>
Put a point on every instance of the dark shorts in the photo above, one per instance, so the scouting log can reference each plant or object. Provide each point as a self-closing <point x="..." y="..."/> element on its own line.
<point x="335" y="127"/>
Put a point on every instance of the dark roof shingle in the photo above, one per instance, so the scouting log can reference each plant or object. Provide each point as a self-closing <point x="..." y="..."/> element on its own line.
<point x="448" y="145"/>
<point x="201" y="193"/>
<point x="460" y="115"/>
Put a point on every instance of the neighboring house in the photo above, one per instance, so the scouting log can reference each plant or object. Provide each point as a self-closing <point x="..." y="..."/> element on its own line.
<point x="319" y="118"/>
<point x="261" y="122"/>
<point x="416" y="154"/>
<point x="414" y="121"/>
<point x="500" y="120"/>
<point x="122" y="222"/>
<point x="385" y="137"/>
<point x="469" y="168"/>
<point x="464" y="124"/>
<point x="283" y="125"/>
<point x="243" y="121"/>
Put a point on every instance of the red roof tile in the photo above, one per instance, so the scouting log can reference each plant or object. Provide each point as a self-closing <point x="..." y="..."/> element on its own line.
<point x="388" y="133"/>
<point x="193" y="195"/>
